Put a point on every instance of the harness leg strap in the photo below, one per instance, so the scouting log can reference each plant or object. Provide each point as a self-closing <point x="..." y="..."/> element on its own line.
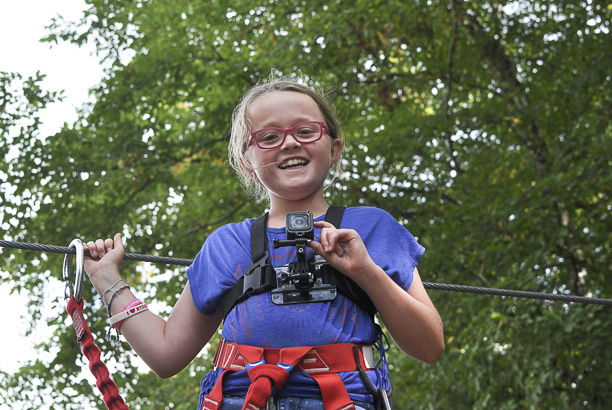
<point x="214" y="399"/>
<point x="333" y="391"/>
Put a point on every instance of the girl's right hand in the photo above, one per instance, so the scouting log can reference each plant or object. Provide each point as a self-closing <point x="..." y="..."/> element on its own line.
<point x="102" y="264"/>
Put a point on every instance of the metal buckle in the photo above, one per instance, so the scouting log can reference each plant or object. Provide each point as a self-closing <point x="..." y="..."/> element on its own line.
<point x="270" y="404"/>
<point x="368" y="356"/>
<point x="219" y="355"/>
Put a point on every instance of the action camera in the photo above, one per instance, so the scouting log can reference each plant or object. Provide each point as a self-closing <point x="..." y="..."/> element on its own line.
<point x="301" y="281"/>
<point x="300" y="225"/>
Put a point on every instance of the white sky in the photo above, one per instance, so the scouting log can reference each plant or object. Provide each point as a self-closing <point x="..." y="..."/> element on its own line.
<point x="69" y="68"/>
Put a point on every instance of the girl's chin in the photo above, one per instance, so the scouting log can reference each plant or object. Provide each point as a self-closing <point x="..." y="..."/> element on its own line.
<point x="296" y="191"/>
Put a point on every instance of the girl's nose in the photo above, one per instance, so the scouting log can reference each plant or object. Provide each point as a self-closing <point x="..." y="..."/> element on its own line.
<point x="290" y="142"/>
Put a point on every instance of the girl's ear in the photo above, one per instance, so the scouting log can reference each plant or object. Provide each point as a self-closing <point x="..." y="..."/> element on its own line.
<point x="248" y="170"/>
<point x="336" y="149"/>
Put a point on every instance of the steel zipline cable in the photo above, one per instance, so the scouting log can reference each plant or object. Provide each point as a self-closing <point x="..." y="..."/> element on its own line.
<point x="428" y="285"/>
<point x="71" y="251"/>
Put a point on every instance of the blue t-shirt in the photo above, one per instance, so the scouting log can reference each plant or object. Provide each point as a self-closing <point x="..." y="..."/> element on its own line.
<point x="259" y="322"/>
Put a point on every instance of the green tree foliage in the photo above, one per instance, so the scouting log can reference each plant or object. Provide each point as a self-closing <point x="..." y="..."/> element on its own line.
<point x="483" y="127"/>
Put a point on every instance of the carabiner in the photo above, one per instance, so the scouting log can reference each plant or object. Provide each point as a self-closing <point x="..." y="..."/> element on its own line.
<point x="77" y="291"/>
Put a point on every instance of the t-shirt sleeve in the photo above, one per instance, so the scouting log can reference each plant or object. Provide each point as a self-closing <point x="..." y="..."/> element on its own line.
<point x="221" y="261"/>
<point x="390" y="245"/>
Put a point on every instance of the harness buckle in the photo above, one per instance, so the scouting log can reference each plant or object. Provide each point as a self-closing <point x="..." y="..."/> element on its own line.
<point x="270" y="405"/>
<point x="219" y="354"/>
<point x="368" y="356"/>
<point x="254" y="277"/>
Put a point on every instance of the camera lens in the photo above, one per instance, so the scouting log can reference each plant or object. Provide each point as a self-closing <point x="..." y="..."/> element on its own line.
<point x="299" y="222"/>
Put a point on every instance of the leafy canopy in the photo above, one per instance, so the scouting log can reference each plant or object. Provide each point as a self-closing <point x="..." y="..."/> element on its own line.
<point x="483" y="127"/>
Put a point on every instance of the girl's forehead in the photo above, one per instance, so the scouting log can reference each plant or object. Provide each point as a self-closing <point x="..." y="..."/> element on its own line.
<point x="283" y="105"/>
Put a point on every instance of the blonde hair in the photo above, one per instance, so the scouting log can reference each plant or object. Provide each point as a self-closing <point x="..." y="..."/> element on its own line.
<point x="241" y="129"/>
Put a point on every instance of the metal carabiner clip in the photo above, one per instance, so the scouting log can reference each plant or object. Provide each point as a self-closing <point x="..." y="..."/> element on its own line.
<point x="77" y="290"/>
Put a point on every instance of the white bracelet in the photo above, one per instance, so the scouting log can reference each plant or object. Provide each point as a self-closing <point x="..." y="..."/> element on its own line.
<point x="128" y="313"/>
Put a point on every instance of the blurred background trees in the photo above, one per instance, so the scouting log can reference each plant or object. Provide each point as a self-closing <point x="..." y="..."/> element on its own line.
<point x="483" y="127"/>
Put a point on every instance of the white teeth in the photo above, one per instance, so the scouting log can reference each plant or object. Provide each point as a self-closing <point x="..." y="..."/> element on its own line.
<point x="293" y="162"/>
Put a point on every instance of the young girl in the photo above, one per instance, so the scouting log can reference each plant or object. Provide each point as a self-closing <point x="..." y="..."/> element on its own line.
<point x="306" y="355"/>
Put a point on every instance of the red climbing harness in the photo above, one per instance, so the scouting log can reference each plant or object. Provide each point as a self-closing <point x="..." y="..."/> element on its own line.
<point x="272" y="367"/>
<point x="107" y="387"/>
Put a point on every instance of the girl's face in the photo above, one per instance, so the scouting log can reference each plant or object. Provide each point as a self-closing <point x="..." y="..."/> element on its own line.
<point x="292" y="171"/>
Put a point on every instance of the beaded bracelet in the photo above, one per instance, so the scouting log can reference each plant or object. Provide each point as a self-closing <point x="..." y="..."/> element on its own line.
<point x="108" y="307"/>
<point x="115" y="293"/>
<point x="110" y="289"/>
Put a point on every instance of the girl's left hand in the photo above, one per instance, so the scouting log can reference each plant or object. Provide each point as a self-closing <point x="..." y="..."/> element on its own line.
<point x="344" y="250"/>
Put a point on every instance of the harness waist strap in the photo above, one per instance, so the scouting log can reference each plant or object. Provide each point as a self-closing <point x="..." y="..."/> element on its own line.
<point x="332" y="358"/>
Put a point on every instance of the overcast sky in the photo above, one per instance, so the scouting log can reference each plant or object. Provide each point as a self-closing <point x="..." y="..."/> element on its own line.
<point x="69" y="68"/>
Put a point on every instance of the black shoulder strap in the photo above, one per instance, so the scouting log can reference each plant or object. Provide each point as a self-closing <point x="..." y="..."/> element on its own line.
<point x="259" y="276"/>
<point x="334" y="215"/>
<point x="259" y="248"/>
<point x="346" y="285"/>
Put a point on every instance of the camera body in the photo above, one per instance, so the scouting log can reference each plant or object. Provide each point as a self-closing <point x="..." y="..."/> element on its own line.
<point x="300" y="225"/>
<point x="301" y="281"/>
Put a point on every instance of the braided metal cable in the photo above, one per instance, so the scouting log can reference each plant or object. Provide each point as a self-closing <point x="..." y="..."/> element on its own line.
<point x="517" y="293"/>
<point x="428" y="285"/>
<point x="65" y="250"/>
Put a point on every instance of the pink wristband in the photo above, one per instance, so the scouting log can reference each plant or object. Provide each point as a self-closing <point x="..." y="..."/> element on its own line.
<point x="132" y="304"/>
<point x="134" y="307"/>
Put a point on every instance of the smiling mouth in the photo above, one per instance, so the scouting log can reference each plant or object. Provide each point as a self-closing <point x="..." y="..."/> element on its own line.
<point x="293" y="163"/>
